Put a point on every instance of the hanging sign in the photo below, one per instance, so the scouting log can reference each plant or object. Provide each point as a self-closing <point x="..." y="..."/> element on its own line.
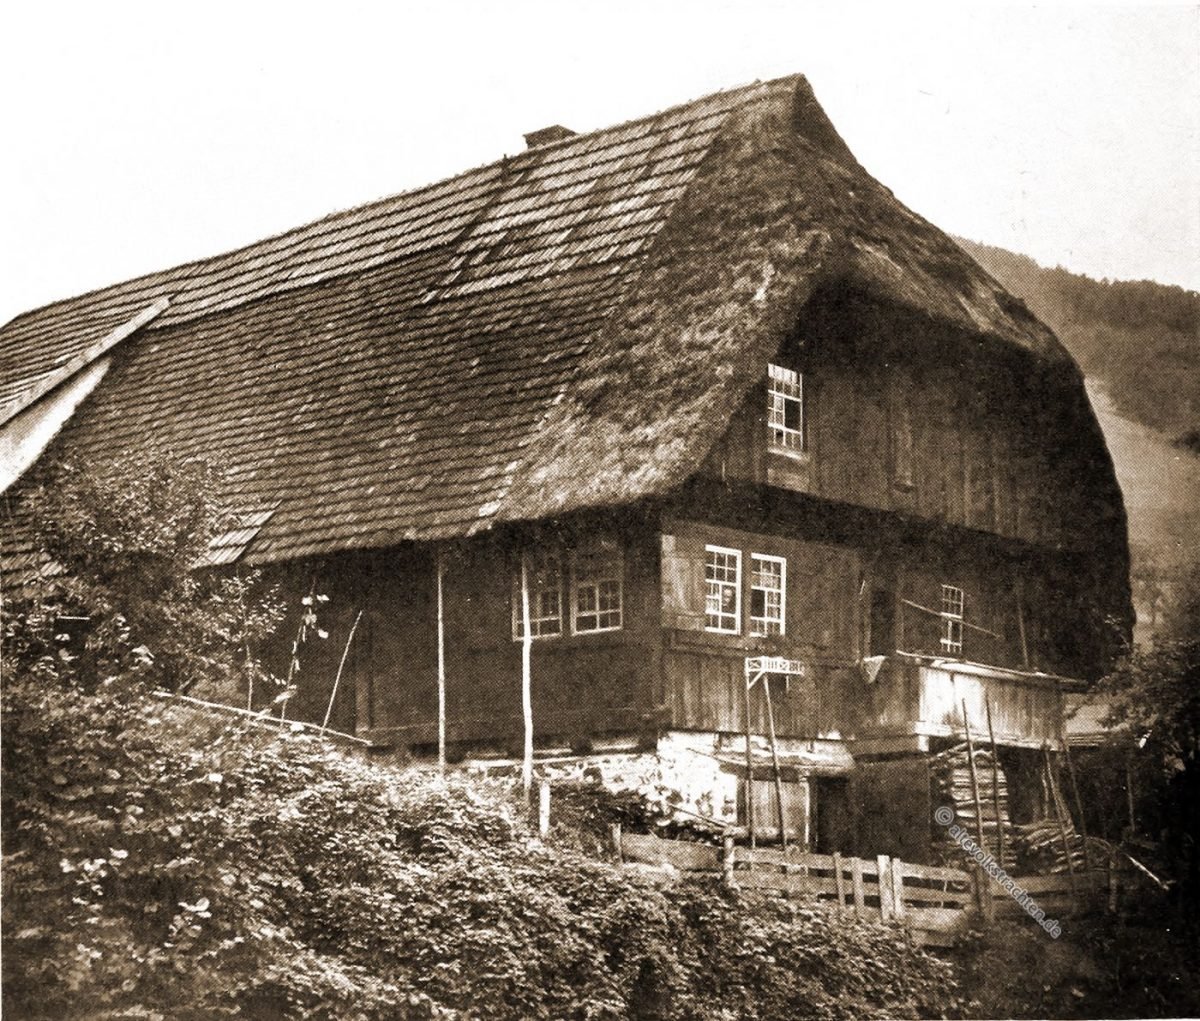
<point x="774" y="665"/>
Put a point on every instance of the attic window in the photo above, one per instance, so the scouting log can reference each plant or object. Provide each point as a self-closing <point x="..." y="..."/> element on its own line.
<point x="785" y="408"/>
<point x="953" y="605"/>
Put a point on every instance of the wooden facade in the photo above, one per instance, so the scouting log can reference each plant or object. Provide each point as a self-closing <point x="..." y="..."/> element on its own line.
<point x="917" y="473"/>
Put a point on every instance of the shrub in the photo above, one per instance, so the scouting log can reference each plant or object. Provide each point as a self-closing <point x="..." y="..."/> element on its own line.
<point x="158" y="864"/>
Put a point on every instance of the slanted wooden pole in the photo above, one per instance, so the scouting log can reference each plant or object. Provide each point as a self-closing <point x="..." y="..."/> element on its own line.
<point x="1062" y="736"/>
<point x="749" y="766"/>
<point x="526" y="680"/>
<point x="974" y="778"/>
<point x="441" y="662"/>
<point x="1062" y="829"/>
<point x="775" y="762"/>
<point x="996" y="786"/>
<point x="341" y="666"/>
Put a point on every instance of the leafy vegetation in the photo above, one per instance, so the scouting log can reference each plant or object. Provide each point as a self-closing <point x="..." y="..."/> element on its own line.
<point x="1140" y="339"/>
<point x="161" y="863"/>
<point x="122" y="596"/>
<point x="1154" y="696"/>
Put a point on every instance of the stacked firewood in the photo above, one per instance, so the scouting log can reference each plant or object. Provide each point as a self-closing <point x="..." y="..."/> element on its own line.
<point x="1043" y="846"/>
<point x="952" y="786"/>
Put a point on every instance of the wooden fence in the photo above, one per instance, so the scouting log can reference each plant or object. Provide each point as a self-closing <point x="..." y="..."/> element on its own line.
<point x="935" y="903"/>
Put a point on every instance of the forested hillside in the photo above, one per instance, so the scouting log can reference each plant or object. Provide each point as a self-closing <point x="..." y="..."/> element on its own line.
<point x="1139" y="339"/>
<point x="1139" y="344"/>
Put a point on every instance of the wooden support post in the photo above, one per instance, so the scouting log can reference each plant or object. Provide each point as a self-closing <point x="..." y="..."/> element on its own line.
<point x="1020" y="589"/>
<point x="749" y="768"/>
<point x="526" y="681"/>
<point x="766" y="683"/>
<point x="441" y="663"/>
<point x="839" y="882"/>
<point x="885" y="887"/>
<point x="974" y="779"/>
<point x="986" y="895"/>
<point x="1112" y="886"/>
<point x="543" y="808"/>
<point x="860" y="892"/>
<point x="1062" y="829"/>
<point x="1062" y="735"/>
<point x="616" y="839"/>
<point x="1129" y="794"/>
<point x="996" y="787"/>
<point x="897" y="871"/>
<point x="727" y="861"/>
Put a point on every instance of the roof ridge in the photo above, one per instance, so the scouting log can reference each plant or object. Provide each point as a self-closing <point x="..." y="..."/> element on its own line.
<point x="198" y="264"/>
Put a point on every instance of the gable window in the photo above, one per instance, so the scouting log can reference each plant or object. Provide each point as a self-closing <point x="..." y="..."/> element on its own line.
<point x="767" y="585"/>
<point x="544" y="571"/>
<point x="953" y="604"/>
<point x="723" y="582"/>
<point x="597" y="590"/>
<point x="785" y="408"/>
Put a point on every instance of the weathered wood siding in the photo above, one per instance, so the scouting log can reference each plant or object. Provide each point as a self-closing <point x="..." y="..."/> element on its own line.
<point x="584" y="685"/>
<point x="903" y="420"/>
<point x="910" y="698"/>
<point x="704" y="672"/>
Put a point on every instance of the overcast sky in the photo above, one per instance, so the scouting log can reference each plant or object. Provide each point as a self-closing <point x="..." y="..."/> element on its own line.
<point x="134" y="138"/>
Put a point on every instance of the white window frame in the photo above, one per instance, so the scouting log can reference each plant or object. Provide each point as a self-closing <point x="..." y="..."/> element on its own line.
<point x="785" y="385"/>
<point x="538" y="620"/>
<point x="761" y="627"/>
<point x="720" y="584"/>
<point x="954" y="605"/>
<point x="615" y="572"/>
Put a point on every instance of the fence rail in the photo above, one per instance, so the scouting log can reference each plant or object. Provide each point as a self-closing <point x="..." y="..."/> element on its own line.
<point x="935" y="903"/>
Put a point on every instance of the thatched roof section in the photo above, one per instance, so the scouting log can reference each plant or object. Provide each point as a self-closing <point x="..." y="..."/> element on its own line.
<point x="565" y="328"/>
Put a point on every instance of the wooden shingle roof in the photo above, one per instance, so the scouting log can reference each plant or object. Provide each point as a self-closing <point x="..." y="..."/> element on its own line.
<point x="564" y="328"/>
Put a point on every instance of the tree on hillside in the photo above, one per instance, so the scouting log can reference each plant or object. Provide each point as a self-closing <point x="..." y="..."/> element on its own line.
<point x="1155" y="700"/>
<point x="123" y="592"/>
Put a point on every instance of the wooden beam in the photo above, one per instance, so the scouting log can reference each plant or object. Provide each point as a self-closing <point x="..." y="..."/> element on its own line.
<point x="441" y="662"/>
<point x="766" y="683"/>
<point x="526" y="680"/>
<point x="996" y="787"/>
<point x="749" y="764"/>
<point x="974" y="778"/>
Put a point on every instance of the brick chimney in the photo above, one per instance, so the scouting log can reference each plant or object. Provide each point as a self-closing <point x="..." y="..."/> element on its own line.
<point x="544" y="136"/>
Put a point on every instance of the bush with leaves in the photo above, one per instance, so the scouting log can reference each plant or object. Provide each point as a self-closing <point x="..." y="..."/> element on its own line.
<point x="159" y="864"/>
<point x="121" y="543"/>
<point x="1154" y="699"/>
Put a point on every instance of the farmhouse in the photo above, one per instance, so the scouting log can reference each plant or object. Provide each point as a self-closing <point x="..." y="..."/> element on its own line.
<point x="667" y="398"/>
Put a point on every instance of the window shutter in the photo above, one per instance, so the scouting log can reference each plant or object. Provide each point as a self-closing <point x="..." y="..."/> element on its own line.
<point x="683" y="585"/>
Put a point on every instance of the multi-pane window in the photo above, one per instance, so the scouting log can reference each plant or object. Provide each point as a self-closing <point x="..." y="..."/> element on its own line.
<point x="767" y="584"/>
<point x="785" y="407"/>
<point x="723" y="582"/>
<point x="953" y="605"/>
<point x="597" y="590"/>
<point x="544" y="574"/>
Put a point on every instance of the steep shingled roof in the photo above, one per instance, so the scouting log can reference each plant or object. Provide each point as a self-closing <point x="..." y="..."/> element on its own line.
<point x="567" y="327"/>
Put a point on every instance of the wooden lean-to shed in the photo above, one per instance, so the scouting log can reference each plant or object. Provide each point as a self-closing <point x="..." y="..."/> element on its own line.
<point x="699" y="377"/>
